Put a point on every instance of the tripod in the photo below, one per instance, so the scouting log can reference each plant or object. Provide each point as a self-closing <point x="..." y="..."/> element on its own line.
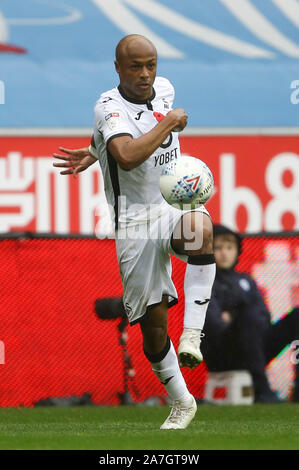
<point x="125" y="396"/>
<point x="110" y="308"/>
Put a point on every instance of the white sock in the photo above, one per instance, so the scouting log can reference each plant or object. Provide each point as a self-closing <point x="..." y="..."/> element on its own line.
<point x="169" y="373"/>
<point x="198" y="283"/>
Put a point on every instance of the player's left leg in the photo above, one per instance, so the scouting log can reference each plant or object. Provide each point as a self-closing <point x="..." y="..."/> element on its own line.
<point x="159" y="350"/>
<point x="193" y="236"/>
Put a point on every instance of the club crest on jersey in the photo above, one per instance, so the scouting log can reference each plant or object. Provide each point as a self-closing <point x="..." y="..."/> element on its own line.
<point x="112" y="120"/>
<point x="158" y="116"/>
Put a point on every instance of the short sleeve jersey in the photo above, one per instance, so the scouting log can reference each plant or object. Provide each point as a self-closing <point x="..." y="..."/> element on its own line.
<point x="134" y="195"/>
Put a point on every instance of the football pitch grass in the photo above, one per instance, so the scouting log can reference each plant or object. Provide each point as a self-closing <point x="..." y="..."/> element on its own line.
<point x="256" y="427"/>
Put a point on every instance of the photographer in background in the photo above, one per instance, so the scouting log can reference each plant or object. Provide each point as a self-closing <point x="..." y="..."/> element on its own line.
<point x="238" y="330"/>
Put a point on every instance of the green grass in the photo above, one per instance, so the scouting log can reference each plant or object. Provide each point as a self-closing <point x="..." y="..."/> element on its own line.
<point x="260" y="427"/>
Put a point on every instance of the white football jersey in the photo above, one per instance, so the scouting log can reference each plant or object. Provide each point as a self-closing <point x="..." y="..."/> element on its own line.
<point x="135" y="195"/>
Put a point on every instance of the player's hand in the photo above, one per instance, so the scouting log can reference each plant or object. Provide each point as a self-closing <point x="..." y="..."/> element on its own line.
<point x="226" y="317"/>
<point x="179" y="117"/>
<point x="75" y="160"/>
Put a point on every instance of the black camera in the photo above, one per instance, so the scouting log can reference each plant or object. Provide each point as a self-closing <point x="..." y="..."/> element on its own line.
<point x="110" y="308"/>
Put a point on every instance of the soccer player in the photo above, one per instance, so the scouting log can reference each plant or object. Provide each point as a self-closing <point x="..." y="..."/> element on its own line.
<point x="135" y="137"/>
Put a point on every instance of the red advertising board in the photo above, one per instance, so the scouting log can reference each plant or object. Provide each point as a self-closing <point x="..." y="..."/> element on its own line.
<point x="52" y="344"/>
<point x="256" y="184"/>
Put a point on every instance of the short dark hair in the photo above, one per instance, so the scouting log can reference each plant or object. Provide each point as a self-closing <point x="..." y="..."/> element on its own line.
<point x="222" y="230"/>
<point x="227" y="237"/>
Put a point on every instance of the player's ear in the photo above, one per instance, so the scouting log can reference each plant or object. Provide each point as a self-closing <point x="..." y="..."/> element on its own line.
<point x="116" y="65"/>
<point x="237" y="255"/>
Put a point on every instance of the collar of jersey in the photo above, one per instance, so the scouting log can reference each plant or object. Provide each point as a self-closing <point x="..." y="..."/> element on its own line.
<point x="131" y="100"/>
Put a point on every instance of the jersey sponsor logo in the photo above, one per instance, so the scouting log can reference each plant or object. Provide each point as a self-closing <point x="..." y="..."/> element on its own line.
<point x="139" y="115"/>
<point x="166" y="157"/>
<point x="112" y="120"/>
<point x="106" y="99"/>
<point x="159" y="117"/>
<point x="167" y="143"/>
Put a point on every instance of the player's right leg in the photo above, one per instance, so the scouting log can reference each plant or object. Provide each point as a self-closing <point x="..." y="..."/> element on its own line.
<point x="159" y="350"/>
<point x="199" y="278"/>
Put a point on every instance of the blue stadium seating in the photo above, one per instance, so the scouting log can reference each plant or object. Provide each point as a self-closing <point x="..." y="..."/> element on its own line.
<point x="232" y="66"/>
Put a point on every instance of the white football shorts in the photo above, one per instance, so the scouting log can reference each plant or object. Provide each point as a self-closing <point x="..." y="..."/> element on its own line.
<point x="143" y="253"/>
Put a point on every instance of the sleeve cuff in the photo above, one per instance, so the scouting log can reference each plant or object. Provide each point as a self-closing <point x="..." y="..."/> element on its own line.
<point x="121" y="134"/>
<point x="93" y="151"/>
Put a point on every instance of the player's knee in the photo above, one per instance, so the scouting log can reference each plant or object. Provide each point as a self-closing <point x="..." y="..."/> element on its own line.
<point x="154" y="339"/>
<point x="207" y="239"/>
<point x="204" y="228"/>
<point x="158" y="356"/>
<point x="154" y="326"/>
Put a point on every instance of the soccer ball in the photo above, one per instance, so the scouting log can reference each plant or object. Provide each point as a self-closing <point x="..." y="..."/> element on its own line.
<point x="186" y="182"/>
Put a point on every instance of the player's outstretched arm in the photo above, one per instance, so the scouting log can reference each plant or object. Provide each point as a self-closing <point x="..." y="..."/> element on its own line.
<point x="130" y="153"/>
<point x="75" y="160"/>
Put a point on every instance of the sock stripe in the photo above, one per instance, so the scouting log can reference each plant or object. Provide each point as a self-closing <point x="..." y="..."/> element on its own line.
<point x="201" y="259"/>
<point x="159" y="356"/>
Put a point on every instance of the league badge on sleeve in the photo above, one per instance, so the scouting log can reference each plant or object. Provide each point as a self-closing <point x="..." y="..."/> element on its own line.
<point x="113" y="120"/>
